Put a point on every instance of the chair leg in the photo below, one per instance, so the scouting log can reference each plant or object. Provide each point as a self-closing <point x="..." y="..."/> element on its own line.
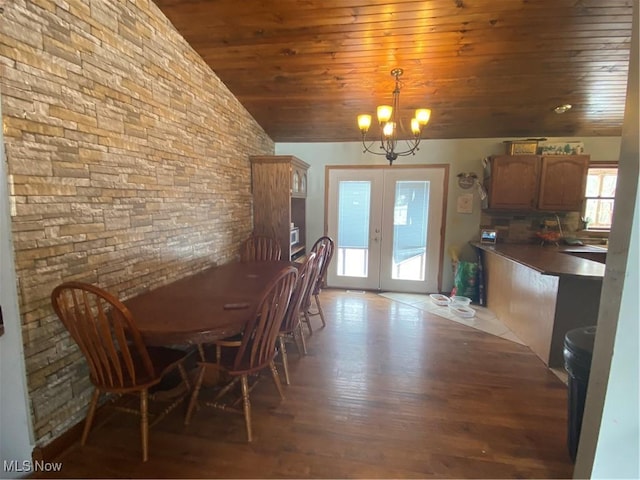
<point x="194" y="395"/>
<point x="302" y="340"/>
<point x="285" y="362"/>
<point x="184" y="376"/>
<point x="226" y="390"/>
<point x="90" y="413"/>
<point x="317" y="298"/>
<point x="276" y="378"/>
<point x="144" y="423"/>
<point x="307" y="320"/>
<point x="246" y="405"/>
<point x="296" y="340"/>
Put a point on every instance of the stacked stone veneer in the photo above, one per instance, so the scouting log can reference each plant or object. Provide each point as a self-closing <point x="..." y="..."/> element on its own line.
<point x="128" y="163"/>
<point x="522" y="227"/>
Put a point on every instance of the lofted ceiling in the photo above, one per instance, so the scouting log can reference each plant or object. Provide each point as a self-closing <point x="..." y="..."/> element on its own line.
<point x="487" y="68"/>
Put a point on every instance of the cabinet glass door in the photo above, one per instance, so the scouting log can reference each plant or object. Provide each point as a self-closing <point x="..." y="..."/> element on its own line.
<point x="296" y="181"/>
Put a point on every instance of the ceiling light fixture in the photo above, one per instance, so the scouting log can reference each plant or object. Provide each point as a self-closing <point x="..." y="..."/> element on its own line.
<point x="390" y="123"/>
<point x="562" y="108"/>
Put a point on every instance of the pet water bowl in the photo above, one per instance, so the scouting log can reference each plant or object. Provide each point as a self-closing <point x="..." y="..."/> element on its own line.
<point x="458" y="301"/>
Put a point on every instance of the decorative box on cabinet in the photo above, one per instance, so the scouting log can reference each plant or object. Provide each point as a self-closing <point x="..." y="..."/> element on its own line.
<point x="279" y="186"/>
<point x="535" y="182"/>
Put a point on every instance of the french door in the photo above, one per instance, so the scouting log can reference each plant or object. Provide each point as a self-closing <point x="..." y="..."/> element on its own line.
<point x="388" y="227"/>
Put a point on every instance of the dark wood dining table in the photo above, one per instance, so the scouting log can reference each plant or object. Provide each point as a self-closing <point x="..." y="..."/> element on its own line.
<point x="213" y="304"/>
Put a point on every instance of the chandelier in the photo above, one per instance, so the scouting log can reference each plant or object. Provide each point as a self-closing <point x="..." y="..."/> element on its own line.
<point x="388" y="118"/>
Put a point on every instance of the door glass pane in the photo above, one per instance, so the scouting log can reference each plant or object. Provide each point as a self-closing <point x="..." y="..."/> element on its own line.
<point x="354" y="206"/>
<point x="410" y="230"/>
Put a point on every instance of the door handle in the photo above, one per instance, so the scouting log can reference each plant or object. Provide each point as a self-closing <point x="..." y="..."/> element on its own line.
<point x="375" y="237"/>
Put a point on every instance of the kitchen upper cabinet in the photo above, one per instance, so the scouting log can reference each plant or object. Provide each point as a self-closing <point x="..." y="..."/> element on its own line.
<point x="513" y="182"/>
<point x="279" y="187"/>
<point x="534" y="182"/>
<point x="562" y="182"/>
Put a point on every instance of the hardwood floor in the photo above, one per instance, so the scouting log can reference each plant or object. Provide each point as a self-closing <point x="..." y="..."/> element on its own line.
<point x="387" y="391"/>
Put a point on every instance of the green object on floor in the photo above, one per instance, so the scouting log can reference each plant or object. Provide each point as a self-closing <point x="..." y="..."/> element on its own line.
<point x="465" y="282"/>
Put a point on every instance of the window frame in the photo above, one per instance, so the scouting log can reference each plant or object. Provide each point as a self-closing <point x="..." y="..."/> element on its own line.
<point x="598" y="164"/>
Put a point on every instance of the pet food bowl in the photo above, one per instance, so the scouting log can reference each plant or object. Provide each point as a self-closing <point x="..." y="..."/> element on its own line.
<point x="464" y="312"/>
<point x="439" y="299"/>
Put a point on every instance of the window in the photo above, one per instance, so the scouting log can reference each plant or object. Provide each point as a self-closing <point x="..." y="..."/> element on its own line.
<point x="600" y="192"/>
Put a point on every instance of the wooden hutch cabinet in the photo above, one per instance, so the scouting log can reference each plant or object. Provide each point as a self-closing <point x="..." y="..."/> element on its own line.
<point x="279" y="186"/>
<point x="535" y="182"/>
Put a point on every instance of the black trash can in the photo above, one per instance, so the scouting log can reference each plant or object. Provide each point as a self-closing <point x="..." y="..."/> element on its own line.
<point x="578" y="351"/>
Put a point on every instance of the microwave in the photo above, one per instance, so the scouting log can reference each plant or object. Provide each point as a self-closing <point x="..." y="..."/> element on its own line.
<point x="294" y="237"/>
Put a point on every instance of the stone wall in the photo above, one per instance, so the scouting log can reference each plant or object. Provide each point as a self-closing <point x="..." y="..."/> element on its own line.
<point x="521" y="227"/>
<point x="128" y="163"/>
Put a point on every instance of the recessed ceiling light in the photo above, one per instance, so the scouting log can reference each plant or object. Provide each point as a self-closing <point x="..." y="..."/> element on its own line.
<point x="562" y="108"/>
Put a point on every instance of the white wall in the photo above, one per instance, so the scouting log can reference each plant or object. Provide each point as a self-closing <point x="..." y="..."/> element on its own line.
<point x="462" y="155"/>
<point x="16" y="438"/>
<point x="610" y="442"/>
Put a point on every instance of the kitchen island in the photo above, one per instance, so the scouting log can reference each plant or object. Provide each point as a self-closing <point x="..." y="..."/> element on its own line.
<point x="542" y="292"/>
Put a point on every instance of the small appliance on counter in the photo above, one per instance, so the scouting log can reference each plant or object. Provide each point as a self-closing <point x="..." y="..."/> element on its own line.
<point x="294" y="236"/>
<point x="488" y="236"/>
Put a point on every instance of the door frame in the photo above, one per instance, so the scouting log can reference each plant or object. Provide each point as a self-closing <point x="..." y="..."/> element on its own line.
<point x="16" y="424"/>
<point x="445" y="195"/>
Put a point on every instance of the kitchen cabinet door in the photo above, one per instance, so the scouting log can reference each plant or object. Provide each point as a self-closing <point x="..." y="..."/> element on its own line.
<point x="513" y="184"/>
<point x="562" y="182"/>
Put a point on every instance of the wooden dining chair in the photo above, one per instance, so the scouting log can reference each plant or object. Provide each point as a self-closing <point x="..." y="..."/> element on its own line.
<point x="314" y="273"/>
<point x="291" y="325"/>
<point x="119" y="361"/>
<point x="260" y="248"/>
<point x="253" y="352"/>
<point x="325" y="260"/>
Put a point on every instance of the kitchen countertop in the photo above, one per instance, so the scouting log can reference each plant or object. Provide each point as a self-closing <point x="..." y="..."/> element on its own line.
<point x="549" y="259"/>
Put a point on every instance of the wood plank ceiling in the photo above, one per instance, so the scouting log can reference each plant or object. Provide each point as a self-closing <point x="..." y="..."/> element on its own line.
<point x="487" y="68"/>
